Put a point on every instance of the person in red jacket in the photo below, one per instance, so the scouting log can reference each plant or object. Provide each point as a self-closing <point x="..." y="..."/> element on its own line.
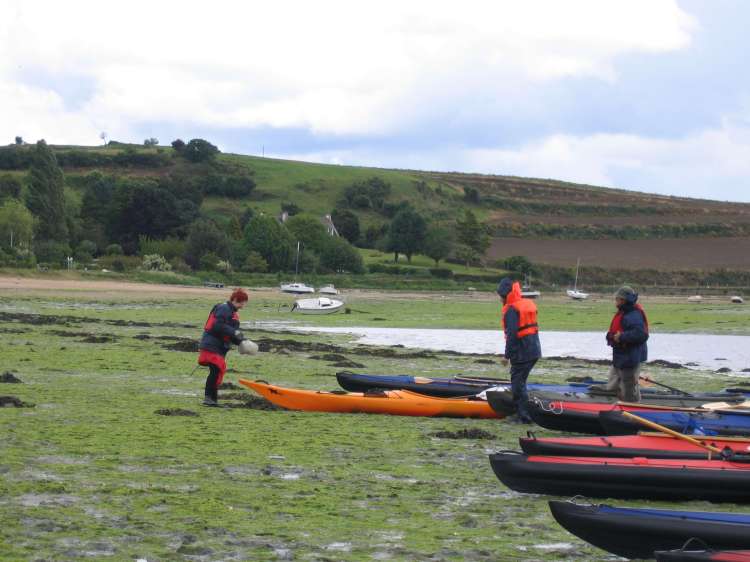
<point x="222" y="329"/>
<point x="627" y="336"/>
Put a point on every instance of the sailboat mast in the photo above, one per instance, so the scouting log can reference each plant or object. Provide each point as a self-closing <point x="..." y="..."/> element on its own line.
<point x="296" y="263"/>
<point x="575" y="285"/>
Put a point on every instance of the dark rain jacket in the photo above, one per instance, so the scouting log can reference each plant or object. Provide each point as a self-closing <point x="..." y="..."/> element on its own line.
<point x="220" y="329"/>
<point x="631" y="350"/>
<point x="518" y="350"/>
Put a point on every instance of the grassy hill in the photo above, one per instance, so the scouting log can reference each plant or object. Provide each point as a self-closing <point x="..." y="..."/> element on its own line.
<point x="549" y="221"/>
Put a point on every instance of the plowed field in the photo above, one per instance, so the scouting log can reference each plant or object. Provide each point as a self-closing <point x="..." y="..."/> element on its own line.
<point x="685" y="253"/>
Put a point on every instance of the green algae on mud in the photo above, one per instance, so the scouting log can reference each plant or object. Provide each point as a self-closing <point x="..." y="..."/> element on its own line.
<point x="93" y="471"/>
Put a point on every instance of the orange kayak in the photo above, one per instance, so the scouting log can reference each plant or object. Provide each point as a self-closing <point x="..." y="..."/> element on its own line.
<point x="395" y="402"/>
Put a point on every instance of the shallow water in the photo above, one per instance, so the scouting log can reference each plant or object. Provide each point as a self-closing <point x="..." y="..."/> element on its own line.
<point x="698" y="351"/>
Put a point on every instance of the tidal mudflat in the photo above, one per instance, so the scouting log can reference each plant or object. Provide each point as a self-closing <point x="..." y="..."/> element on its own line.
<point x="113" y="458"/>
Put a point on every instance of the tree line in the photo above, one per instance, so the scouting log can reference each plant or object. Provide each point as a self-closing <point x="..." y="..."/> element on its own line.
<point x="158" y="223"/>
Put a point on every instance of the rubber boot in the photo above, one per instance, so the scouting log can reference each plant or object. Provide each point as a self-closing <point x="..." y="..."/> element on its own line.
<point x="212" y="393"/>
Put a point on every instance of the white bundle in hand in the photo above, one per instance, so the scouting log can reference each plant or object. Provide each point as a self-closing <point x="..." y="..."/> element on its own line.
<point x="248" y="347"/>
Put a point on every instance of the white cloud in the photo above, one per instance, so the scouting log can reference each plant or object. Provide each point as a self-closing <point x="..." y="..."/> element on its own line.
<point x="331" y="67"/>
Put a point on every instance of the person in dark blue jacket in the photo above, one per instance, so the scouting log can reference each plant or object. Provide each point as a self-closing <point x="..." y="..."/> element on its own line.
<point x="222" y="329"/>
<point x="627" y="335"/>
<point x="522" y="346"/>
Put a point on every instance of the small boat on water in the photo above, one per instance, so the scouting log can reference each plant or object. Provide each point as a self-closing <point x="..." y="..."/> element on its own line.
<point x="297" y="288"/>
<point x="322" y="305"/>
<point x="714" y="480"/>
<point x="639" y="532"/>
<point x="328" y="290"/>
<point x="438" y="386"/>
<point x="394" y="402"/>
<point x="651" y="445"/>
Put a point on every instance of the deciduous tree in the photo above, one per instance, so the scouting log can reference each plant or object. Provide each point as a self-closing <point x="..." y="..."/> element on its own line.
<point x="438" y="243"/>
<point x="407" y="233"/>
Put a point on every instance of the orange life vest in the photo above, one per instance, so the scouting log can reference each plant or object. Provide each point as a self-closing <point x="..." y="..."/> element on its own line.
<point x="527" y="323"/>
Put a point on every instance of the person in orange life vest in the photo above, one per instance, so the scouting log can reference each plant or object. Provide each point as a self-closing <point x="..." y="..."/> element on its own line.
<point x="627" y="336"/>
<point x="522" y="346"/>
<point x="219" y="333"/>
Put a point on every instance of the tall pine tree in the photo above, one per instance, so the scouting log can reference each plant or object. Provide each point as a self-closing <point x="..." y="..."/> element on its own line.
<point x="46" y="199"/>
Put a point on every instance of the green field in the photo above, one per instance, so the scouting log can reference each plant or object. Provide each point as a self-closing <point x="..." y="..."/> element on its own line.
<point x="94" y="472"/>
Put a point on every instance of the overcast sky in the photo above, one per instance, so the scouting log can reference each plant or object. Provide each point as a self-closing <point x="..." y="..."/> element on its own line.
<point x="651" y="95"/>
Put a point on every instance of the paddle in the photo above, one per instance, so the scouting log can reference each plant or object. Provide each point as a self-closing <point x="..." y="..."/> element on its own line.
<point x="678" y="435"/>
<point x="673" y="389"/>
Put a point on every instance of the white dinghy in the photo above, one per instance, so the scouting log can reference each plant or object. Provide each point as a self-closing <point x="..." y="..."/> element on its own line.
<point x="328" y="290"/>
<point x="297" y="288"/>
<point x="322" y="305"/>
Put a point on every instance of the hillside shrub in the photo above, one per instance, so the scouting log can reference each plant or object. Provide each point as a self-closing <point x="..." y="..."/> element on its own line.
<point x="113" y="250"/>
<point x="199" y="150"/>
<point x="120" y="263"/>
<point x="51" y="252"/>
<point x="368" y="194"/>
<point x="17" y="257"/>
<point x="441" y="272"/>
<point x="385" y="268"/>
<point x="234" y="186"/>
<point x="170" y="247"/>
<point x="340" y="256"/>
<point x="209" y="262"/>
<point x="15" y="157"/>
<point x="179" y="265"/>
<point x="255" y="263"/>
<point x="10" y="187"/>
<point x="155" y="262"/>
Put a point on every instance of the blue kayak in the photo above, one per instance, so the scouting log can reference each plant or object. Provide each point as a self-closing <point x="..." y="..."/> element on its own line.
<point x="721" y="422"/>
<point x="442" y="386"/>
<point x="638" y="533"/>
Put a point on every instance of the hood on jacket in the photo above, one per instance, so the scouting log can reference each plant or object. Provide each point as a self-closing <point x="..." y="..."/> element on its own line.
<point x="515" y="294"/>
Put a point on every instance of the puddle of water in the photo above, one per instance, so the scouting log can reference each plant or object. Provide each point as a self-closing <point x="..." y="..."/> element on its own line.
<point x="702" y="351"/>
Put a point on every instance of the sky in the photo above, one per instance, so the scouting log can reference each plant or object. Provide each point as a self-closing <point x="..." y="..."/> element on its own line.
<point x="650" y="95"/>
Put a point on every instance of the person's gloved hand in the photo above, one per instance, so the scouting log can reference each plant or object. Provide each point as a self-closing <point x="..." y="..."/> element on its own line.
<point x="238" y="337"/>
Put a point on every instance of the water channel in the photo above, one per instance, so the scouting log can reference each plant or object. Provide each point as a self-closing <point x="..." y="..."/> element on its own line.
<point x="697" y="351"/>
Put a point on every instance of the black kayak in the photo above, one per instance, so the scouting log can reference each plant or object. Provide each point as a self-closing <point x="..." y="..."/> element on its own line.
<point x="444" y="387"/>
<point x="502" y="402"/>
<point x="607" y="477"/>
<point x="639" y="533"/>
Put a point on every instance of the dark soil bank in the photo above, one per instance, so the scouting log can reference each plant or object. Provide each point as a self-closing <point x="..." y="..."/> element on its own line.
<point x="13" y="402"/>
<point x="464" y="434"/>
<point x="8" y="377"/>
<point x="176" y="412"/>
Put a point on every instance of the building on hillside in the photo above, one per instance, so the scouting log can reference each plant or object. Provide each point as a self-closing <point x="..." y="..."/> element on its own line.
<point x="330" y="227"/>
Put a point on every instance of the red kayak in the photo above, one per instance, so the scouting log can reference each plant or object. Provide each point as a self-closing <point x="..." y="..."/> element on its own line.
<point x="651" y="445"/>
<point x="639" y="477"/>
<point x="704" y="555"/>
